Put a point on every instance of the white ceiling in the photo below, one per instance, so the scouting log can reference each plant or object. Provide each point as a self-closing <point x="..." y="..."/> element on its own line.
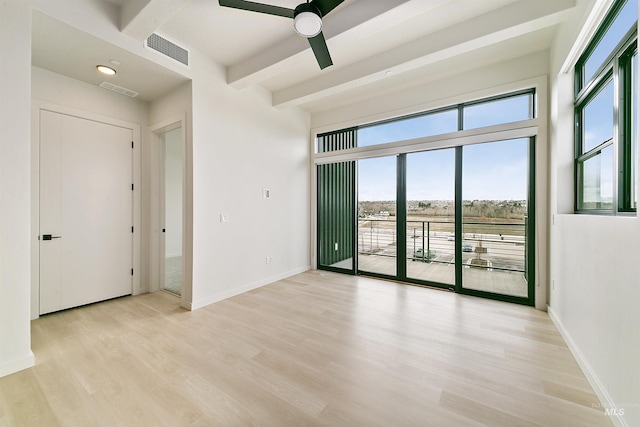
<point x="377" y="46"/>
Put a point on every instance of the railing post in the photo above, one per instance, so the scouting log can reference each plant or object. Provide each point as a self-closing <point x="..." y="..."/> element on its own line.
<point x="414" y="241"/>
<point x="428" y="237"/>
<point x="377" y="235"/>
<point x="371" y="236"/>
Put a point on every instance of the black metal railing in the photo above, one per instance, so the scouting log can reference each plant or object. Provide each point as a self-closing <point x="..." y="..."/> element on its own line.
<point x="489" y="245"/>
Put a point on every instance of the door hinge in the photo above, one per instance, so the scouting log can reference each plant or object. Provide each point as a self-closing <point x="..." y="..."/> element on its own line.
<point x="131" y="187"/>
<point x="131" y="144"/>
<point x="132" y="228"/>
<point x="132" y="271"/>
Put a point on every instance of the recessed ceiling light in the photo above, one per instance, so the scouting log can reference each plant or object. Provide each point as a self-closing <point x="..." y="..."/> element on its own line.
<point x="389" y="73"/>
<point x="106" y="70"/>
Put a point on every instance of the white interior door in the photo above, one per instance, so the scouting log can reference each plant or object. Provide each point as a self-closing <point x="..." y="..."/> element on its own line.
<point x="86" y="211"/>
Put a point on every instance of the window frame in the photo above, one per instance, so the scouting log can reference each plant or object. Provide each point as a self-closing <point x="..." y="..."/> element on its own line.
<point x="625" y="156"/>
<point x="615" y="68"/>
<point x="459" y="107"/>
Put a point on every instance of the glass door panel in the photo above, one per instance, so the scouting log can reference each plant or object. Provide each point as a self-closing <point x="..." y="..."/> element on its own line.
<point x="430" y="216"/>
<point x="377" y="216"/>
<point x="336" y="213"/>
<point x="495" y="207"/>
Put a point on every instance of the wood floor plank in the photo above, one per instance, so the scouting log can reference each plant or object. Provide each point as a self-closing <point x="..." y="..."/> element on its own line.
<point x="315" y="349"/>
<point x="22" y="402"/>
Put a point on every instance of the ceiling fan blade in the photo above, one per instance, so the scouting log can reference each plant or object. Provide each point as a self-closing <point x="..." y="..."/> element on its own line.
<point x="326" y="6"/>
<point x="257" y="7"/>
<point x="321" y="51"/>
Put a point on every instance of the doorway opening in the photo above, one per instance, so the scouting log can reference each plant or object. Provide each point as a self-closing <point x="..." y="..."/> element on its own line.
<point x="172" y="210"/>
<point x="170" y="261"/>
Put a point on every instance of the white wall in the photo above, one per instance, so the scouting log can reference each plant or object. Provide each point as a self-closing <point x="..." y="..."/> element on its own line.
<point x="473" y="84"/>
<point x="503" y="77"/>
<point x="57" y="89"/>
<point x="15" y="186"/>
<point x="241" y="144"/>
<point x="594" y="263"/>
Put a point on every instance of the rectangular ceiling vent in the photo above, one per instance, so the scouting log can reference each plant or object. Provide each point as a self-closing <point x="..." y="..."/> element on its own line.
<point x="167" y="48"/>
<point x="121" y="90"/>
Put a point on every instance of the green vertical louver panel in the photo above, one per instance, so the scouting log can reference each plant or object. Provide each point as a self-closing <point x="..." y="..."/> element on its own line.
<point x="336" y="203"/>
<point x="335" y="141"/>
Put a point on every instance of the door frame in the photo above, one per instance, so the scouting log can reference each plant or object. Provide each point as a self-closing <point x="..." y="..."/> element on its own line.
<point x="530" y="232"/>
<point x="156" y="258"/>
<point x="36" y="108"/>
<point x="537" y="127"/>
<point x="401" y="220"/>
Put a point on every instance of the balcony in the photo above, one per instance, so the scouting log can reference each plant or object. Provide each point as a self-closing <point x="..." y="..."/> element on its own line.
<point x="493" y="253"/>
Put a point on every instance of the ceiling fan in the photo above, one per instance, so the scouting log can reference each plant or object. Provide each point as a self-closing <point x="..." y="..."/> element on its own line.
<point x="307" y="21"/>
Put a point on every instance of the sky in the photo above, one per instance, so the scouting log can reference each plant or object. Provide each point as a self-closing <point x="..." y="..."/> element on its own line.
<point x="622" y="23"/>
<point x="491" y="171"/>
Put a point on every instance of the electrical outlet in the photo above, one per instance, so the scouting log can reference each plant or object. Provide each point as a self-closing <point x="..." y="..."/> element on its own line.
<point x="224" y="217"/>
<point x="266" y="193"/>
<point x="336" y="246"/>
<point x="269" y="260"/>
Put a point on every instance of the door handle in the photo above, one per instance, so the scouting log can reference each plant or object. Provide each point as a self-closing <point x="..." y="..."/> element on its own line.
<point x="49" y="237"/>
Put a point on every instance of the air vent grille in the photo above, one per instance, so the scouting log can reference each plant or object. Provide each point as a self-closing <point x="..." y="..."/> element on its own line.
<point x="119" y="89"/>
<point x="165" y="47"/>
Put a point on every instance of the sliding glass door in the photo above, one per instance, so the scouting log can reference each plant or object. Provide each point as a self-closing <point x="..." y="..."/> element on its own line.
<point x="496" y="206"/>
<point x="430" y="217"/>
<point x="377" y="216"/>
<point x="459" y="218"/>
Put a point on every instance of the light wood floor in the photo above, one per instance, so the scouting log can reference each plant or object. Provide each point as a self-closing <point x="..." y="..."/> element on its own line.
<point x="315" y="349"/>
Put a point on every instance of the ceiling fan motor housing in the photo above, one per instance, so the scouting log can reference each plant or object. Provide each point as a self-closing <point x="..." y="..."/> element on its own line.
<point x="307" y="20"/>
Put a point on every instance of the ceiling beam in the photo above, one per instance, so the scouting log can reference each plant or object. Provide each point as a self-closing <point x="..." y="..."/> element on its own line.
<point x="514" y="20"/>
<point x="339" y="28"/>
<point x="140" y="18"/>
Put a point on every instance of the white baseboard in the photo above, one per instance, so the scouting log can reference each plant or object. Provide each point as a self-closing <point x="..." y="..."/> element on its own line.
<point x="17" y="365"/>
<point x="605" y="399"/>
<point x="202" y="302"/>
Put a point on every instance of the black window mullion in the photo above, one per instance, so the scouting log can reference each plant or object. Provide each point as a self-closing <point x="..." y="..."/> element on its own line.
<point x="401" y="217"/>
<point x="616" y="68"/>
<point x="458" y="219"/>
<point x="625" y="157"/>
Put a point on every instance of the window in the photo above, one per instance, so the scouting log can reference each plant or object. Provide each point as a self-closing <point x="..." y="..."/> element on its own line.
<point x="606" y="115"/>
<point x="503" y="109"/>
<point x="633" y="194"/>
<point x="408" y="128"/>
<point x="397" y="199"/>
